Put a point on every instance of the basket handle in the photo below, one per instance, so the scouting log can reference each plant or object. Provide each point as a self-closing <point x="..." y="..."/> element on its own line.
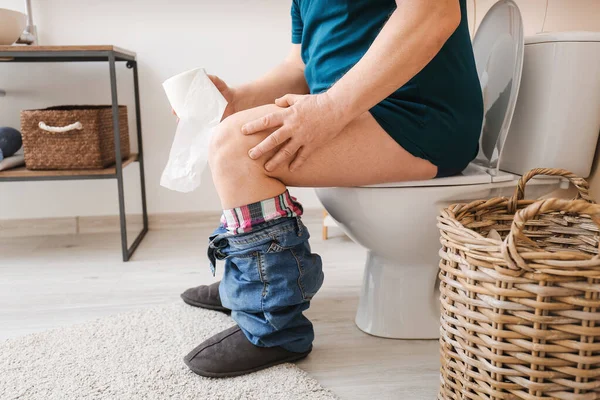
<point x="509" y="246"/>
<point x="60" y="129"/>
<point x="580" y="183"/>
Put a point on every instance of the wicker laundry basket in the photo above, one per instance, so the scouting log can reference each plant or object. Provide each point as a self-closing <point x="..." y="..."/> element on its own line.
<point x="72" y="137"/>
<point x="520" y="284"/>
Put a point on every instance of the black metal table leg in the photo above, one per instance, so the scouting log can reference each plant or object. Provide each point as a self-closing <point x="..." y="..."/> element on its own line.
<point x="118" y="159"/>
<point x="138" y="121"/>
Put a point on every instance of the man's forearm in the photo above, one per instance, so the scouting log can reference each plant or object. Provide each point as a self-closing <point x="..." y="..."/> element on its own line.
<point x="413" y="35"/>
<point x="287" y="77"/>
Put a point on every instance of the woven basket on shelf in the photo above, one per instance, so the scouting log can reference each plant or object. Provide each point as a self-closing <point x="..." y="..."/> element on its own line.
<point x="520" y="284"/>
<point x="72" y="137"/>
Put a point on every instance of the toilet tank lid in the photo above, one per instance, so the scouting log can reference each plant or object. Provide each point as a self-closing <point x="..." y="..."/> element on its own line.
<point x="571" y="36"/>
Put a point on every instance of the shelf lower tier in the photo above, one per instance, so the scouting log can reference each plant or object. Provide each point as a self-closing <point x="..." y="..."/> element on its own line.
<point x="24" y="174"/>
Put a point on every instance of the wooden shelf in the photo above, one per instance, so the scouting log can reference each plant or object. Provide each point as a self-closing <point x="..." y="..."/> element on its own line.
<point x="73" y="48"/>
<point x="107" y="54"/>
<point x="24" y="174"/>
<point x="64" y="53"/>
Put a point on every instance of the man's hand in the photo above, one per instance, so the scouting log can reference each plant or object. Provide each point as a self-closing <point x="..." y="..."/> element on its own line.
<point x="227" y="92"/>
<point x="305" y="123"/>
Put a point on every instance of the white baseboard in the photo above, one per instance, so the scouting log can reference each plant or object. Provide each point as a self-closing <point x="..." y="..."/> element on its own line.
<point x="110" y="223"/>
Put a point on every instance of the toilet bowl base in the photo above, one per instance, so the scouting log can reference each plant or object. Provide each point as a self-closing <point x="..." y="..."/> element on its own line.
<point x="399" y="301"/>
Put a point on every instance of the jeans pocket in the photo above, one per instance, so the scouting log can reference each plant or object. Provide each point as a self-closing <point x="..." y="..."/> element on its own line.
<point x="310" y="267"/>
<point x="297" y="263"/>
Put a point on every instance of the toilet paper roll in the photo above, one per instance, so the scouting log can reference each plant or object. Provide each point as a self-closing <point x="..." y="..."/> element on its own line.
<point x="200" y="107"/>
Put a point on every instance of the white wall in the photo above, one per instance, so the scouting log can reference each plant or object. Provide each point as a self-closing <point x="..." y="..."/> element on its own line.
<point x="236" y="39"/>
<point x="563" y="15"/>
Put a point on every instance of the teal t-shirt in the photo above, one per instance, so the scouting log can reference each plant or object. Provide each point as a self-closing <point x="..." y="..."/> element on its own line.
<point x="437" y="115"/>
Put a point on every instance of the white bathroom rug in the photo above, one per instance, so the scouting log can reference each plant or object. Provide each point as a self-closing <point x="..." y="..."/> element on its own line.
<point x="137" y="355"/>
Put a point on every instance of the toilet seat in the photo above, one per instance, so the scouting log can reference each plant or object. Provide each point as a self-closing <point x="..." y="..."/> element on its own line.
<point x="473" y="175"/>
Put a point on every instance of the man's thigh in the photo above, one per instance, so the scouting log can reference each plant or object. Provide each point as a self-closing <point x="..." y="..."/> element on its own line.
<point x="362" y="154"/>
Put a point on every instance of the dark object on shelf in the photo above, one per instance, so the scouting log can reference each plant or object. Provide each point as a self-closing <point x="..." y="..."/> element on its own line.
<point x="72" y="137"/>
<point x="10" y="141"/>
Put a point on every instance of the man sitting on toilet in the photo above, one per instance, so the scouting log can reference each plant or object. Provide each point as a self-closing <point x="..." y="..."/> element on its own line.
<point x="372" y="91"/>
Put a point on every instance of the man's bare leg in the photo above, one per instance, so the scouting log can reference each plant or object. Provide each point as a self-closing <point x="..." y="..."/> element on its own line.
<point x="362" y="154"/>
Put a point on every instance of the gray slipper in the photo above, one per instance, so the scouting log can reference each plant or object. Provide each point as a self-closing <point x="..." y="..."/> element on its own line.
<point x="205" y="297"/>
<point x="230" y="353"/>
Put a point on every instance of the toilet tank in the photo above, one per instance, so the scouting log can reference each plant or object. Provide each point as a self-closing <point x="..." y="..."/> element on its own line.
<point x="557" y="117"/>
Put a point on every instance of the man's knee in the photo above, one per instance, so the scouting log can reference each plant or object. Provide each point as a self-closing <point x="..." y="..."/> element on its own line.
<point x="229" y="146"/>
<point x="227" y="143"/>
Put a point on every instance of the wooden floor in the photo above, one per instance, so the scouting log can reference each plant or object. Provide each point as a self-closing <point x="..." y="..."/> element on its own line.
<point x="60" y="280"/>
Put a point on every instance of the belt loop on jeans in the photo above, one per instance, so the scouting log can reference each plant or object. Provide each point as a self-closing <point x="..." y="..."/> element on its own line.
<point x="300" y="225"/>
<point x="214" y="253"/>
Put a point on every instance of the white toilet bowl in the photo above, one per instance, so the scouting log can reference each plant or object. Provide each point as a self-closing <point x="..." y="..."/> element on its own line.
<point x="396" y="222"/>
<point x="397" y="225"/>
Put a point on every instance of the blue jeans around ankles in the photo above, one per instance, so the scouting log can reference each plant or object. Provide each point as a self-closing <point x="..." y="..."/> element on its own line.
<point x="269" y="279"/>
